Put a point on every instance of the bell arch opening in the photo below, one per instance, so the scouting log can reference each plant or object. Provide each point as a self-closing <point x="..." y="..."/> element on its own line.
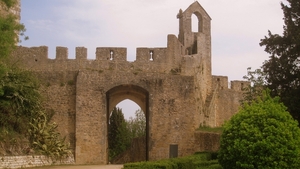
<point x="196" y="22"/>
<point x="140" y="96"/>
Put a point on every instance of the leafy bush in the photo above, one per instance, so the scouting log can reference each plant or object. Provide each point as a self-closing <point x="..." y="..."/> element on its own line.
<point x="22" y="114"/>
<point x="21" y="108"/>
<point x="19" y="100"/>
<point x="197" y="161"/>
<point x="261" y="135"/>
<point x="45" y="139"/>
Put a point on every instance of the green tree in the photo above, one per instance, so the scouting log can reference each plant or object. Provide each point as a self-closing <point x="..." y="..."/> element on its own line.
<point x="257" y="84"/>
<point x="261" y="135"/>
<point x="21" y="111"/>
<point x="282" y="70"/>
<point x="121" y="131"/>
<point x="18" y="94"/>
<point x="137" y="125"/>
<point x="10" y="29"/>
<point x="118" y="135"/>
<point x="20" y="100"/>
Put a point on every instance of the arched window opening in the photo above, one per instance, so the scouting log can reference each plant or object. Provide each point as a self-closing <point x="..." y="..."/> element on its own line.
<point x="195" y="23"/>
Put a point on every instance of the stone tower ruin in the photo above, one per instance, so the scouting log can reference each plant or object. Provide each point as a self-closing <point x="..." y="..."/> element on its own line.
<point x="174" y="86"/>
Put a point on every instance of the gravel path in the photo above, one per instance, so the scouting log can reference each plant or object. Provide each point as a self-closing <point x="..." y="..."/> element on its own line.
<point x="82" y="167"/>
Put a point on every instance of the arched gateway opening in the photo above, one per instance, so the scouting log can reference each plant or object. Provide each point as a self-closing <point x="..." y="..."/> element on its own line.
<point x="135" y="93"/>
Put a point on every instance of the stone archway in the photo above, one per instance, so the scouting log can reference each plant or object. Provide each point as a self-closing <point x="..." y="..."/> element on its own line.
<point x="135" y="93"/>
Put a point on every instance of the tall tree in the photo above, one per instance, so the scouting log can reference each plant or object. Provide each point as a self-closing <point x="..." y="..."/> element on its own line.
<point x="282" y="70"/>
<point x="10" y="28"/>
<point x="117" y="133"/>
<point x="21" y="111"/>
<point x="18" y="94"/>
<point x="137" y="125"/>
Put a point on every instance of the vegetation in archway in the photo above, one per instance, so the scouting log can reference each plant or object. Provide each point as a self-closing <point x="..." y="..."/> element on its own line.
<point x="137" y="125"/>
<point x="261" y="135"/>
<point x="24" y="124"/>
<point x="122" y="131"/>
<point x="117" y="133"/>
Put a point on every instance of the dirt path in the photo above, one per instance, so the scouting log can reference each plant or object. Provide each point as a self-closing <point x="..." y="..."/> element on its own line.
<point x="82" y="167"/>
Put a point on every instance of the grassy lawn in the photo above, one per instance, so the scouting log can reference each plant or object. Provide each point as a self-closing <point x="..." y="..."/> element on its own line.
<point x="210" y="129"/>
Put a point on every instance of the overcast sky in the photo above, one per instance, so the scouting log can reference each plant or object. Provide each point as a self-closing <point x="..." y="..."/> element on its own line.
<point x="237" y="27"/>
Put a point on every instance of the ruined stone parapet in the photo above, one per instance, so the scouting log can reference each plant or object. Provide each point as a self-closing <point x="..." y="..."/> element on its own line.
<point x="222" y="83"/>
<point x="239" y="85"/>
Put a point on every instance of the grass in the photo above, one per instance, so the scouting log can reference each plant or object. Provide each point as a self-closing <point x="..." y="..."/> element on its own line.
<point x="211" y="129"/>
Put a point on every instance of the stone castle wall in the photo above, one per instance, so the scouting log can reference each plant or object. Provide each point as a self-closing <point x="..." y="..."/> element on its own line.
<point x="174" y="86"/>
<point x="31" y="161"/>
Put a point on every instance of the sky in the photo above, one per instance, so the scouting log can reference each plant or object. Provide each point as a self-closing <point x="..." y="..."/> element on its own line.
<point x="237" y="27"/>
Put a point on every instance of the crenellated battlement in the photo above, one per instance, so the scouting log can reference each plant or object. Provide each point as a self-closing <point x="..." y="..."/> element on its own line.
<point x="222" y="83"/>
<point x="102" y="53"/>
<point x="112" y="58"/>
<point x="41" y="53"/>
<point x="151" y="54"/>
<point x="117" y="54"/>
<point x="147" y="59"/>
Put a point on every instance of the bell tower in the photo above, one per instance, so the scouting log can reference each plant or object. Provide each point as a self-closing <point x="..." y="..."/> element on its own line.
<point x="192" y="40"/>
<point x="197" y="54"/>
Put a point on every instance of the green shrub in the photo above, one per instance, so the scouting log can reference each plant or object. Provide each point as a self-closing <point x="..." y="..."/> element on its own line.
<point x="261" y="135"/>
<point x="215" y="166"/>
<point x="183" y="163"/>
<point x="197" y="161"/>
<point x="164" y="164"/>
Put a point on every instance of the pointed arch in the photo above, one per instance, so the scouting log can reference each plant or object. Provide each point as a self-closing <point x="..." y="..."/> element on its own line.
<point x="119" y="93"/>
<point x="132" y="92"/>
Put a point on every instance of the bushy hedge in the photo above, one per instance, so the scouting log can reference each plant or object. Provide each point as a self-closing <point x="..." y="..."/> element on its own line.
<point x="197" y="161"/>
<point x="261" y="135"/>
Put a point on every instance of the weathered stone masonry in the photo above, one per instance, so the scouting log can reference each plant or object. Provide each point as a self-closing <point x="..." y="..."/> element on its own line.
<point x="31" y="161"/>
<point x="174" y="86"/>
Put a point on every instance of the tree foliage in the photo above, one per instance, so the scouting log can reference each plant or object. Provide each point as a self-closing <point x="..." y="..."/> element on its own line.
<point x="282" y="70"/>
<point x="137" y="125"/>
<point x="19" y="100"/>
<point x="257" y="84"/>
<point x="9" y="3"/>
<point x="21" y="110"/>
<point x="117" y="133"/>
<point x="18" y="94"/>
<point x="10" y="30"/>
<point x="261" y="135"/>
<point x="122" y="131"/>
